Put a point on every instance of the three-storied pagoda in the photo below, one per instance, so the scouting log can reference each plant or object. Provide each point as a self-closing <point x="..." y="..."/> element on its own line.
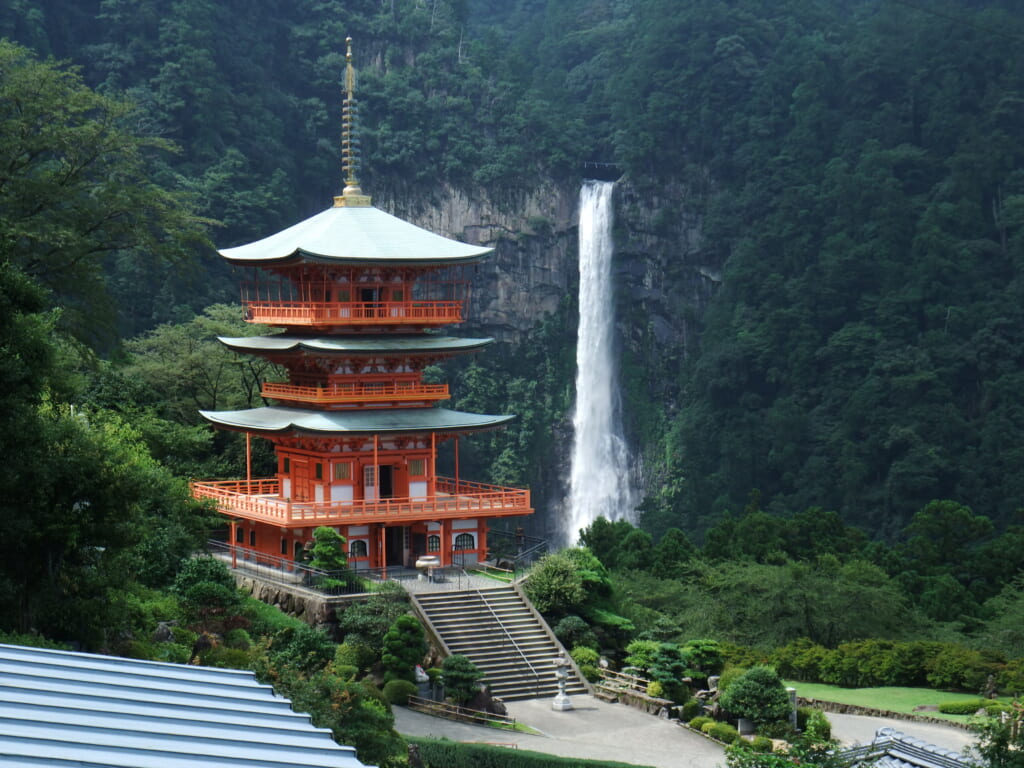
<point x="360" y="296"/>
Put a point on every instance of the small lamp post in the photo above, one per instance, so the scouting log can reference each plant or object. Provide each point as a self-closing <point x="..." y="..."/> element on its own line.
<point x="561" y="702"/>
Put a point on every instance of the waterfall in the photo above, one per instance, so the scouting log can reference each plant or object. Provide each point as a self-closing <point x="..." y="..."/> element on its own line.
<point x="600" y="477"/>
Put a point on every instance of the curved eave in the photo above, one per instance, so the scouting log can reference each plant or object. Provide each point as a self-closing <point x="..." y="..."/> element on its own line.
<point x="359" y="235"/>
<point x="361" y="345"/>
<point x="394" y="421"/>
<point x="300" y="256"/>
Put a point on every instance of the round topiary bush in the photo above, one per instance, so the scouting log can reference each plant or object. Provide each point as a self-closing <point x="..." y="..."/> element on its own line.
<point x="399" y="691"/>
<point x="698" y="723"/>
<point x="761" y="744"/>
<point x="759" y="696"/>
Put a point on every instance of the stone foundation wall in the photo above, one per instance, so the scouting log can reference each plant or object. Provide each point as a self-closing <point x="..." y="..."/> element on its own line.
<point x="316" y="610"/>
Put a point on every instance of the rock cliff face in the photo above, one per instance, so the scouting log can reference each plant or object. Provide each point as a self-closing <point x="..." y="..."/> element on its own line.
<point x="664" y="280"/>
<point x="665" y="277"/>
<point x="534" y="237"/>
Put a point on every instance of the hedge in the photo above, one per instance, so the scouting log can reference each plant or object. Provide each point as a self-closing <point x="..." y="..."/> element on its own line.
<point x="441" y="753"/>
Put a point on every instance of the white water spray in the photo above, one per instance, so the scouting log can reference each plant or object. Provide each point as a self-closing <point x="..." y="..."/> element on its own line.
<point x="600" y="479"/>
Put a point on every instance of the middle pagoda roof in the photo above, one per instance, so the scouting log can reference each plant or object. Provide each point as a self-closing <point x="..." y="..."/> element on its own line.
<point x="282" y="420"/>
<point x="355" y="234"/>
<point x="353" y="345"/>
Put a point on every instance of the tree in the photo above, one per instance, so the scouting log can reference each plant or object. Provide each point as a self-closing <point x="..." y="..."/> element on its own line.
<point x="1001" y="741"/>
<point x="461" y="678"/>
<point x="404" y="648"/>
<point x="758" y="695"/>
<point x="328" y="550"/>
<point x="365" y="623"/>
<point x="555" y="586"/>
<point x="78" y="186"/>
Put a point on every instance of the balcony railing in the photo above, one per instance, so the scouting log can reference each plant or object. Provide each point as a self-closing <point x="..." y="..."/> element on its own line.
<point x="260" y="500"/>
<point x="357" y="392"/>
<point x="334" y="313"/>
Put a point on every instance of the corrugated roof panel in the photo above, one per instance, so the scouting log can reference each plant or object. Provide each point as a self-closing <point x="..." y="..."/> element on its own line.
<point x="279" y="716"/>
<point x="123" y="713"/>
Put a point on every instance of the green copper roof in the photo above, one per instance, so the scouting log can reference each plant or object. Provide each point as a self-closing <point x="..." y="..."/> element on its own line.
<point x="353" y="345"/>
<point x="354" y="235"/>
<point x="354" y="422"/>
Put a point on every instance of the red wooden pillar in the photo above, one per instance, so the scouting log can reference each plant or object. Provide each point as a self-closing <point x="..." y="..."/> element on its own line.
<point x="234" y="543"/>
<point x="446" y="542"/>
<point x="481" y="539"/>
<point x="384" y="552"/>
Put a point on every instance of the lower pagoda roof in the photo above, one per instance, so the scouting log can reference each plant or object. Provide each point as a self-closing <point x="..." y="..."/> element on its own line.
<point x="282" y="420"/>
<point x="353" y="345"/>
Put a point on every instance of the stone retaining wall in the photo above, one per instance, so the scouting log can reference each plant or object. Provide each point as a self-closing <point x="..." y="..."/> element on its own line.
<point x="852" y="709"/>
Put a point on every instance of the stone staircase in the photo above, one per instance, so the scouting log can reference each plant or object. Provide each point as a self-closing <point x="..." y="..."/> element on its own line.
<point x="499" y="632"/>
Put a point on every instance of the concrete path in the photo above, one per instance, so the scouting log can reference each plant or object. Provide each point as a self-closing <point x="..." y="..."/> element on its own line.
<point x="858" y="729"/>
<point x="594" y="729"/>
<point x="602" y="731"/>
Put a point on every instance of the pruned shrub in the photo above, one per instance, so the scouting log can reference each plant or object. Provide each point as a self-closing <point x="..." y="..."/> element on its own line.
<point x="761" y="744"/>
<point x="238" y="638"/>
<point x="346" y="672"/>
<point x="587" y="660"/>
<point x="691" y="709"/>
<point x="641" y="653"/>
<point x="800" y="660"/>
<point x="963" y="707"/>
<point x="759" y="696"/>
<point x="399" y="691"/>
<point x="224" y="657"/>
<point x="729" y="676"/>
<point x="816" y="725"/>
<point x="723" y="732"/>
<point x="655" y="689"/>
<point x="403" y="648"/>
<point x="357" y="655"/>
<point x="572" y="631"/>
<point x="699" y="722"/>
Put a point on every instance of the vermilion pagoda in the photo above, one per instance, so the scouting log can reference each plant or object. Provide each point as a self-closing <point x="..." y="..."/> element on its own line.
<point x="360" y="296"/>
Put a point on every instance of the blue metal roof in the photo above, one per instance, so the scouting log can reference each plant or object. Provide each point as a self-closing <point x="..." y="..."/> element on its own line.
<point x="61" y="708"/>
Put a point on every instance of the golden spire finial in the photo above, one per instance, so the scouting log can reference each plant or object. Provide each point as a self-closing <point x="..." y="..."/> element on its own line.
<point x="352" y="195"/>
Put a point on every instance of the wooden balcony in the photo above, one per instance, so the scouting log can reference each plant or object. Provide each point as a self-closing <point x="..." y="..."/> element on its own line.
<point x="380" y="393"/>
<point x="354" y="313"/>
<point x="260" y="500"/>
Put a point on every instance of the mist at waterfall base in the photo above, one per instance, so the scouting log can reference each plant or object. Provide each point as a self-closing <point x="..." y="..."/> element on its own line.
<point x="600" y="479"/>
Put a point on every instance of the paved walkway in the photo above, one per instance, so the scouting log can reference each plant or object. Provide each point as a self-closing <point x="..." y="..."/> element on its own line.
<point x="859" y="729"/>
<point x="594" y="729"/>
<point x="602" y="731"/>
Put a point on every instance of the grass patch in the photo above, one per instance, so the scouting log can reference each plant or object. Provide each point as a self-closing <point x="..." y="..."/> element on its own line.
<point x="894" y="699"/>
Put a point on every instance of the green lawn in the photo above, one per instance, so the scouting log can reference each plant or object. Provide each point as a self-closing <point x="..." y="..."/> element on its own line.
<point x="889" y="699"/>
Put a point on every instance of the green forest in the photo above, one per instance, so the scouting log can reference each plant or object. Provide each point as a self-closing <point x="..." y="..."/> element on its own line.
<point x="835" y="453"/>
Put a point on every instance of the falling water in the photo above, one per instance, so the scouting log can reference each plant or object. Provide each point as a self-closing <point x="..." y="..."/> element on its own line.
<point x="600" y="479"/>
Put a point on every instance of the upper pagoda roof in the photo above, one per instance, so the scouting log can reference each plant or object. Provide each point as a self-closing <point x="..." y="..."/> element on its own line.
<point x="354" y="234"/>
<point x="353" y="345"/>
<point x="280" y="420"/>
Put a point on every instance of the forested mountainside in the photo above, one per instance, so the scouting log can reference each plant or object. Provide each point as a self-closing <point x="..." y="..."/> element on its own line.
<point x="820" y="215"/>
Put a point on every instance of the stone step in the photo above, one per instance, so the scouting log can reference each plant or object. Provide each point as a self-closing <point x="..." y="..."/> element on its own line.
<point x="480" y="628"/>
